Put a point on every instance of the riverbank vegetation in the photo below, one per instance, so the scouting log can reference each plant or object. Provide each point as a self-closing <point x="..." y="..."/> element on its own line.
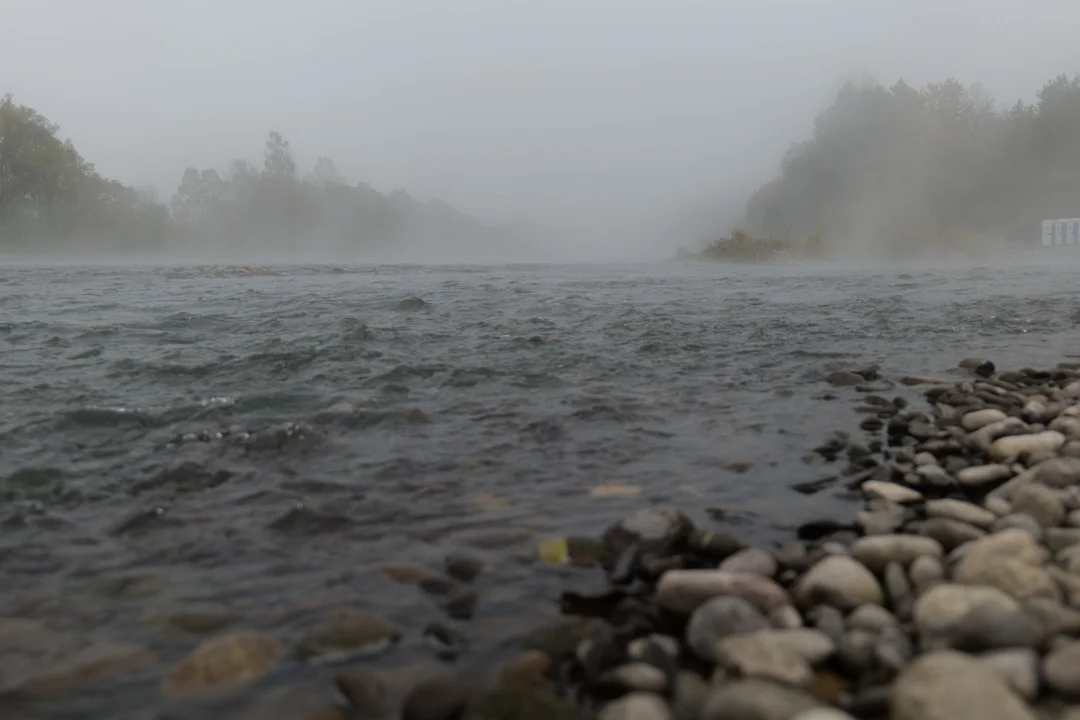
<point x="53" y="200"/>
<point x="741" y="247"/>
<point x="945" y="167"/>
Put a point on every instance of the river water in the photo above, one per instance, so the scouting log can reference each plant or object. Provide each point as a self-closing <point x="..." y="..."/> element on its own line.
<point x="265" y="441"/>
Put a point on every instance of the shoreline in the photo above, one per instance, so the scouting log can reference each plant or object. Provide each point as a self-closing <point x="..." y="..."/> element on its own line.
<point x="953" y="592"/>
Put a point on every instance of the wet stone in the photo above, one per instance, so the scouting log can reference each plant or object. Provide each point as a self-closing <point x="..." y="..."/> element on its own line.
<point x="984" y="476"/>
<point x="83" y="667"/>
<point x="657" y="530"/>
<point x="365" y="691"/>
<point x="435" y="699"/>
<point x="223" y="661"/>
<point x="347" y="631"/>
<point x="463" y="567"/>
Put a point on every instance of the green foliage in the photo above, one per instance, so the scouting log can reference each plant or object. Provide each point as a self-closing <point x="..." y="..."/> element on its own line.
<point x="940" y="166"/>
<point x="52" y="199"/>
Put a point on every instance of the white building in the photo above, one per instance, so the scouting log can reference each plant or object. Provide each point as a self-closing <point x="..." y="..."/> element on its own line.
<point x="1061" y="232"/>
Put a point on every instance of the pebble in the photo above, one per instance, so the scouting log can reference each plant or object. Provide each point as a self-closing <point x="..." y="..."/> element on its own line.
<point x="751" y="560"/>
<point x="1019" y="521"/>
<point x="636" y="706"/>
<point x="857" y="651"/>
<point x="962" y="511"/>
<point x="999" y="506"/>
<point x="656" y="530"/>
<point x="978" y="419"/>
<point x="838" y="576"/>
<point x="84" y="667"/>
<point x="755" y="699"/>
<point x="527" y="666"/>
<point x="638" y="677"/>
<point x="878" y="551"/>
<point x="691" y="691"/>
<point x="1057" y="539"/>
<point x="1041" y="503"/>
<point x="1018" y="668"/>
<point x="786" y="618"/>
<point x="991" y="627"/>
<point x="829" y="620"/>
<point x="983" y="475"/>
<point x="1061" y="669"/>
<point x="1012" y="445"/>
<point x="224" y="660"/>
<point x="463" y="567"/>
<point x="948" y="685"/>
<point x="786" y="656"/>
<point x="718" y="618"/>
<point x="1058" y="472"/>
<point x="682" y="591"/>
<point x="950" y="533"/>
<point x="347" y="631"/>
<point x="1052" y="617"/>
<point x="891" y="491"/>
<point x="893" y="649"/>
<point x="365" y="691"/>
<point x="943" y="606"/>
<point x="899" y="590"/>
<point x="873" y="618"/>
<point x="823" y="714"/>
<point x="435" y="699"/>
<point x="925" y="573"/>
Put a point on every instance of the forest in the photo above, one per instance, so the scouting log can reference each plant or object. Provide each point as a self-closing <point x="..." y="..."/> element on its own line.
<point x="52" y="201"/>
<point x="903" y="170"/>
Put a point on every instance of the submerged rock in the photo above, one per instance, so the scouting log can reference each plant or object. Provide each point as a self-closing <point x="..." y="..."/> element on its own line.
<point x="227" y="660"/>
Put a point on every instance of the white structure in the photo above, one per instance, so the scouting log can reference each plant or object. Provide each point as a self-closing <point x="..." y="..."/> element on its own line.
<point x="1061" y="232"/>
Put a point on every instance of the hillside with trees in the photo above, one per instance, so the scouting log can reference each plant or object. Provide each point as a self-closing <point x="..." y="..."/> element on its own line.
<point x="53" y="202"/>
<point x="901" y="170"/>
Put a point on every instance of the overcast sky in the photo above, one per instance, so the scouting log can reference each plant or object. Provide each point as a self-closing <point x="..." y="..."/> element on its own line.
<point x="599" y="114"/>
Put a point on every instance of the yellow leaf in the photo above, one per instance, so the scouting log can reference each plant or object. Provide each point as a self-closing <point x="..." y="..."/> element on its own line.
<point x="553" y="551"/>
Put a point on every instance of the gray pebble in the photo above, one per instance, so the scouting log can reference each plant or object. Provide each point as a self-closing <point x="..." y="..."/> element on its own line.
<point x="872" y="618"/>
<point x="1022" y="521"/>
<point x="751" y="560"/>
<point x="992" y="627"/>
<point x="950" y="533"/>
<point x="718" y="618"/>
<point x="1061" y="669"/>
<point x="925" y="573"/>
<point x="636" y="706"/>
<point x="1019" y="668"/>
<point x="1041" y="503"/>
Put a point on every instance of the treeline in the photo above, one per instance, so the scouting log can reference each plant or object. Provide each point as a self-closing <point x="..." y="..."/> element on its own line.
<point x="53" y="201"/>
<point x="901" y="170"/>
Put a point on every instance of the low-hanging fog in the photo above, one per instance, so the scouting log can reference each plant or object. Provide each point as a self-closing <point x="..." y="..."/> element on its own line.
<point x="613" y="130"/>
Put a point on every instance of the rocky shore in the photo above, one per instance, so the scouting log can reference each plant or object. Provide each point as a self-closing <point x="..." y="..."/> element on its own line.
<point x="953" y="593"/>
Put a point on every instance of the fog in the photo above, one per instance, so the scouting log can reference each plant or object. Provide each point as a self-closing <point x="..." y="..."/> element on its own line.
<point x="623" y="129"/>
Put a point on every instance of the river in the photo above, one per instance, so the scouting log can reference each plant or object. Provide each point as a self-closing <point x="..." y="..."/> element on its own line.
<point x="265" y="442"/>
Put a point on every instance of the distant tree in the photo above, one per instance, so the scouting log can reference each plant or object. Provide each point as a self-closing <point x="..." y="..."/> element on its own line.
<point x="326" y="173"/>
<point x="277" y="158"/>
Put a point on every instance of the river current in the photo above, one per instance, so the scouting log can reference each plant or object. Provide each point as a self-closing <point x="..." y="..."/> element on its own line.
<point x="264" y="443"/>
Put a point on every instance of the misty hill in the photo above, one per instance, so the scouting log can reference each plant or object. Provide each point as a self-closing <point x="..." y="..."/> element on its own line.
<point x="900" y="170"/>
<point x="53" y="202"/>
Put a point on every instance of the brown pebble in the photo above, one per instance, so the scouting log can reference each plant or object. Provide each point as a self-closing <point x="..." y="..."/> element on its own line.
<point x="463" y="567"/>
<point x="81" y="668"/>
<point x="365" y="691"/>
<point x="435" y="699"/>
<point x="529" y="666"/>
<point x="203" y="622"/>
<point x="225" y="660"/>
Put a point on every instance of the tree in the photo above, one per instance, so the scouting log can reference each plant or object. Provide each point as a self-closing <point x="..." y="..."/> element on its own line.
<point x="277" y="158"/>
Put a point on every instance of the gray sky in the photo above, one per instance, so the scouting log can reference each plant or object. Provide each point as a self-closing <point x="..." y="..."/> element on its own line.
<point x="606" y="115"/>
